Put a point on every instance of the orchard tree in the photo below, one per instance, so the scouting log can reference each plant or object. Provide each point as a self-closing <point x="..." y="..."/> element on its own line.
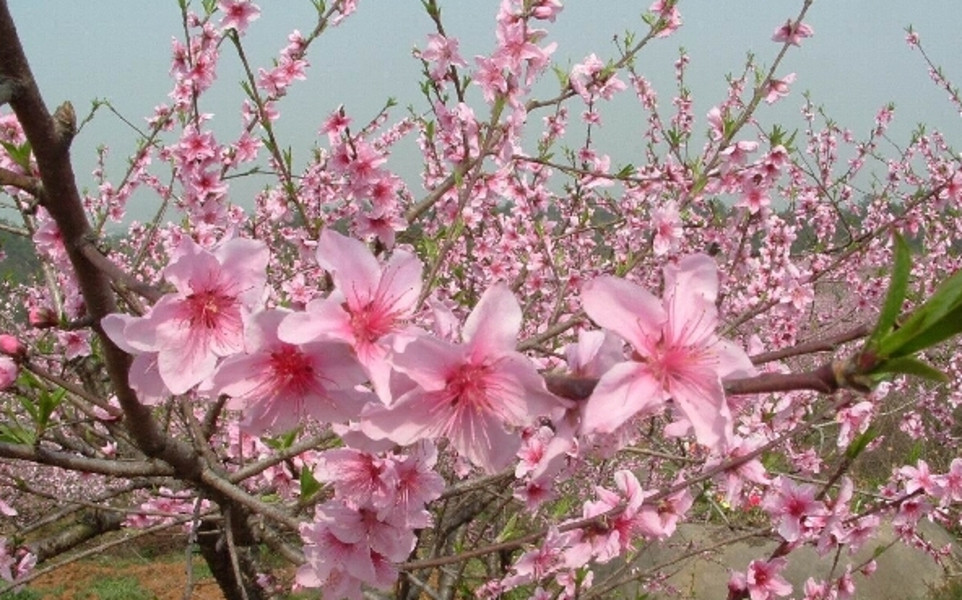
<point x="532" y="362"/>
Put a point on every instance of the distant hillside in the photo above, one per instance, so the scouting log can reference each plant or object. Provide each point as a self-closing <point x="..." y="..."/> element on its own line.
<point x="20" y="263"/>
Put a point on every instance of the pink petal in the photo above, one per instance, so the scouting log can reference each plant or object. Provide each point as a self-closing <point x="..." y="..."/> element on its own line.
<point x="322" y="318"/>
<point x="183" y="368"/>
<point x="412" y="417"/>
<point x="354" y="269"/>
<point x="193" y="266"/>
<point x="732" y="360"/>
<point x="139" y="338"/>
<point x="145" y="379"/>
<point x="624" y="308"/>
<point x="485" y="442"/>
<point x="400" y="283"/>
<point x="702" y="401"/>
<point x="493" y="325"/>
<point x="429" y="362"/>
<point x="625" y="390"/>
<point x="243" y="263"/>
<point x="695" y="274"/>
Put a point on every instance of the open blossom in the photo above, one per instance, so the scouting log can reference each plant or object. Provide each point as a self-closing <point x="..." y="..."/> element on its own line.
<point x="238" y="14"/>
<point x="795" y="507"/>
<point x="588" y="79"/>
<point x="369" y="303"/>
<point x="340" y="555"/>
<point x="792" y="33"/>
<point x="539" y="562"/>
<point x="668" y="15"/>
<point x="660" y="521"/>
<point x="613" y="536"/>
<point x="191" y="329"/>
<point x="762" y="580"/>
<point x="920" y="477"/>
<point x="278" y="384"/>
<point x="716" y="123"/>
<point x="678" y="356"/>
<point x="469" y="393"/>
<point x="666" y="222"/>
<point x="442" y="53"/>
<point x="854" y="421"/>
<point x="778" y="88"/>
<point x="8" y="372"/>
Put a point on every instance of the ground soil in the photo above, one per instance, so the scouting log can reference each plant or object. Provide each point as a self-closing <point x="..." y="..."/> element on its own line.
<point x="162" y="579"/>
<point x="157" y="562"/>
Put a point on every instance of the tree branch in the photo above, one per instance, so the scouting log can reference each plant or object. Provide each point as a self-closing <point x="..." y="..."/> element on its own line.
<point x="31" y="185"/>
<point x="114" y="468"/>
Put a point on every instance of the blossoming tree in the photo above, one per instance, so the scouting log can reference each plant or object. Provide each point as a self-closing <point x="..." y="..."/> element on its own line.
<point x="531" y="363"/>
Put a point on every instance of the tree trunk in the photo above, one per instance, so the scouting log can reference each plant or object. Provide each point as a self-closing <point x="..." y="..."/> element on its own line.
<point x="214" y="548"/>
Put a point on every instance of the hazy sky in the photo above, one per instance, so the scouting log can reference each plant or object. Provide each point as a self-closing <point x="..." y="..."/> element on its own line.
<point x="856" y="62"/>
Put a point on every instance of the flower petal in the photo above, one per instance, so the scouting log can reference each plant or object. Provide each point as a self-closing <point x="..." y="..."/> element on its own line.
<point x="354" y="269"/>
<point x="624" y="391"/>
<point x="493" y="325"/>
<point x="624" y="308"/>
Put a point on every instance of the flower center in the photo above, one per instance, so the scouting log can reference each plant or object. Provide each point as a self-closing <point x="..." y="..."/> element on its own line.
<point x="467" y="386"/>
<point x="292" y="369"/>
<point x="206" y="308"/>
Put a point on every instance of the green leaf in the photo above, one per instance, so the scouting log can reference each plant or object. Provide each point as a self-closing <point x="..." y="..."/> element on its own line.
<point x="898" y="287"/>
<point x="510" y="530"/>
<point x="283" y="441"/>
<point x="908" y="365"/>
<point x="938" y="319"/>
<point x="31" y="408"/>
<point x="860" y="443"/>
<point x="20" y="154"/>
<point x="47" y="403"/>
<point x="14" y="434"/>
<point x="309" y="484"/>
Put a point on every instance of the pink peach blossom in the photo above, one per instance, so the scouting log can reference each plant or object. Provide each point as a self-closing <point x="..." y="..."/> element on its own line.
<point x="278" y="385"/>
<point x="470" y="393"/>
<point x="238" y="14"/>
<point x="792" y="33"/>
<point x="678" y="355"/>
<point x="762" y="580"/>
<point x="203" y="320"/>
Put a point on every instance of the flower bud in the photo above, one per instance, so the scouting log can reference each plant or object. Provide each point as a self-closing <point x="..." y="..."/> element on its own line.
<point x="11" y="346"/>
<point x="41" y="317"/>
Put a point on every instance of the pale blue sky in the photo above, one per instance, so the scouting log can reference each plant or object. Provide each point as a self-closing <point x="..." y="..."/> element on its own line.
<point x="856" y="62"/>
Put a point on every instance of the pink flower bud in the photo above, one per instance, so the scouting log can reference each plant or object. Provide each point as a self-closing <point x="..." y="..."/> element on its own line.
<point x="11" y="346"/>
<point x="8" y="372"/>
<point x="41" y="317"/>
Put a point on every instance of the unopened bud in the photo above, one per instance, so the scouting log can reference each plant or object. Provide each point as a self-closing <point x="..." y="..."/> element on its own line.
<point x="42" y="317"/>
<point x="11" y="346"/>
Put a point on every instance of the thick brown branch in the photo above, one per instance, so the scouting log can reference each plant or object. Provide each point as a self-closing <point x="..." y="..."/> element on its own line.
<point x="90" y="524"/>
<point x="115" y="468"/>
<point x="31" y="185"/>
<point x="822" y="380"/>
<point x="51" y="150"/>
<point x="121" y="278"/>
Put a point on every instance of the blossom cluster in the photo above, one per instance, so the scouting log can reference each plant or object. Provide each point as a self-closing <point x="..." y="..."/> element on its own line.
<point x="412" y="373"/>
